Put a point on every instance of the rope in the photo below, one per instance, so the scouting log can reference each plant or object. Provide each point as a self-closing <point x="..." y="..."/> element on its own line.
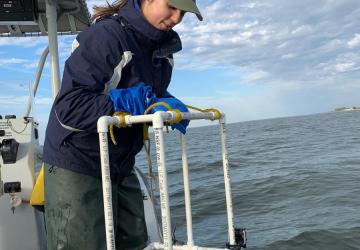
<point x="177" y="112"/>
<point x="146" y="132"/>
<point x="151" y="177"/>
<point x="166" y="105"/>
<point x="122" y="124"/>
<point x="217" y="113"/>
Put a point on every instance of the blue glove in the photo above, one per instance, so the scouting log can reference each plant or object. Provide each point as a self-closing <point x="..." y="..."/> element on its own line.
<point x="174" y="103"/>
<point x="133" y="100"/>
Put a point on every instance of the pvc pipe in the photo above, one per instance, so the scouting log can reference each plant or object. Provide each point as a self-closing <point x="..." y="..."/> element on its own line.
<point x="158" y="124"/>
<point x="167" y="117"/>
<point x="198" y="116"/>
<point x="104" y="122"/>
<point x="229" y="207"/>
<point x="159" y="246"/>
<point x="158" y="120"/>
<point x="102" y="127"/>
<point x="190" y="241"/>
<point x="107" y="194"/>
<point x="138" y="119"/>
<point x="51" y="16"/>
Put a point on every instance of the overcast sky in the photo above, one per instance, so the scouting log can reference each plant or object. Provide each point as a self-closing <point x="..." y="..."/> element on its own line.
<point x="251" y="59"/>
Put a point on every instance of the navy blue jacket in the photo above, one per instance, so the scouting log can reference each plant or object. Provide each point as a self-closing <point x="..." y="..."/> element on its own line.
<point x="116" y="52"/>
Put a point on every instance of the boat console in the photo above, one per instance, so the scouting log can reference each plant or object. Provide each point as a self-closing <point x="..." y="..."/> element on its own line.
<point x="21" y="226"/>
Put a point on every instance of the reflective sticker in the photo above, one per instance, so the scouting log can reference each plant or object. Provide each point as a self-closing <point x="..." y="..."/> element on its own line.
<point x="74" y="45"/>
<point x="115" y="79"/>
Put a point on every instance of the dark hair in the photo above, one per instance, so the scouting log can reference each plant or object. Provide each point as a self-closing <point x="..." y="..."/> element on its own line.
<point x="101" y="11"/>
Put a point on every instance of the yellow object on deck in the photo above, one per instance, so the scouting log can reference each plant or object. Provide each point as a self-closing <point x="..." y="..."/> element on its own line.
<point x="38" y="195"/>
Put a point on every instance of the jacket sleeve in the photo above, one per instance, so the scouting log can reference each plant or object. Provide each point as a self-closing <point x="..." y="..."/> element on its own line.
<point x="81" y="100"/>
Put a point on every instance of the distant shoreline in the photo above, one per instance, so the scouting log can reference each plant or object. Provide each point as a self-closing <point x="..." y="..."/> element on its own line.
<point x="348" y="109"/>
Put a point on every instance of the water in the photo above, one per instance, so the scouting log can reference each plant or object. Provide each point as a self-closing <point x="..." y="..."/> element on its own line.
<point x="295" y="182"/>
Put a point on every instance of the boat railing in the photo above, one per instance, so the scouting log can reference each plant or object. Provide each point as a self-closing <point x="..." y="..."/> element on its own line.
<point x="236" y="236"/>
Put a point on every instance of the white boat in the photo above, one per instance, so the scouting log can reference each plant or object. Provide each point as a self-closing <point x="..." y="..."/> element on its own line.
<point x="22" y="226"/>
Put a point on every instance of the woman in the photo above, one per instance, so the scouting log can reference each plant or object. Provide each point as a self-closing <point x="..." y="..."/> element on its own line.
<point x="121" y="63"/>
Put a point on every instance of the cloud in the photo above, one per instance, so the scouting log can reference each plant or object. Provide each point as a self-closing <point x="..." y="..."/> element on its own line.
<point x="343" y="67"/>
<point x="10" y="100"/>
<point x="302" y="41"/>
<point x="354" y="42"/>
<point x="12" y="61"/>
<point x="288" y="56"/>
<point x="24" y="42"/>
<point x="301" y="30"/>
<point x="31" y="64"/>
<point x="347" y="63"/>
<point x="43" y="100"/>
<point x="256" y="76"/>
<point x="19" y="64"/>
<point x="17" y="86"/>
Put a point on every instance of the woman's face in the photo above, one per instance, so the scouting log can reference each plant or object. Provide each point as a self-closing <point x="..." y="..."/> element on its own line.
<point x="160" y="14"/>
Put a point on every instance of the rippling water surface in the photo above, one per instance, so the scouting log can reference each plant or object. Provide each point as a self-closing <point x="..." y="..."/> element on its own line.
<point x="295" y="182"/>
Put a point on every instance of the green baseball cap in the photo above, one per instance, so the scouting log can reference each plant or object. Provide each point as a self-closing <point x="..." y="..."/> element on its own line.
<point x="187" y="5"/>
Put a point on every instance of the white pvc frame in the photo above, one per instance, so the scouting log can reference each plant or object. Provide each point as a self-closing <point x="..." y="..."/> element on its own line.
<point x="158" y="119"/>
